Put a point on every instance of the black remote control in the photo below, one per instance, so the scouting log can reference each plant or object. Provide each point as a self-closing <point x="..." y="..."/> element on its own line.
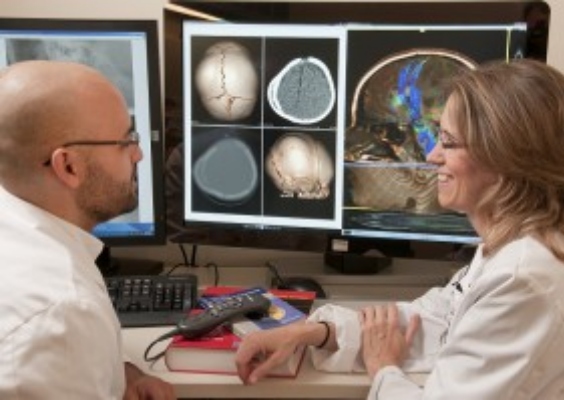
<point x="221" y="312"/>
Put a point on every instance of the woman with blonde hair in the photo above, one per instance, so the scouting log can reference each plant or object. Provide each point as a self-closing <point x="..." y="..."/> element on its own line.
<point x="496" y="331"/>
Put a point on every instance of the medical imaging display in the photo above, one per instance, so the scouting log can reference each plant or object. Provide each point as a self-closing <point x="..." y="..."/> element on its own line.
<point x="122" y="50"/>
<point x="395" y="96"/>
<point x="227" y="81"/>
<point x="300" y="175"/>
<point x="262" y="132"/>
<point x="300" y="165"/>
<point x="225" y="170"/>
<point x="326" y="127"/>
<point x="303" y="91"/>
<point x="111" y="57"/>
<point x="301" y="77"/>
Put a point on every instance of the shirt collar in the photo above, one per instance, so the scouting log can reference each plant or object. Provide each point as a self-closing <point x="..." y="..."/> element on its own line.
<point x="38" y="218"/>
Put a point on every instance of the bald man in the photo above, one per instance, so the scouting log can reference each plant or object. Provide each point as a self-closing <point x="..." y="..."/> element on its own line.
<point x="68" y="160"/>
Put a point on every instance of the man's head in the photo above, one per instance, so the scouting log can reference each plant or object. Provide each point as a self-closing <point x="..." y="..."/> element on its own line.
<point x="66" y="141"/>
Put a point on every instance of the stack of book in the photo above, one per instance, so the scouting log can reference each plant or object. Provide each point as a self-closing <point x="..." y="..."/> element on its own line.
<point x="215" y="352"/>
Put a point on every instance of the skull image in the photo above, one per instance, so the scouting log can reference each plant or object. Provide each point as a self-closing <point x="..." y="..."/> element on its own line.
<point x="303" y="91"/>
<point x="394" y="119"/>
<point x="300" y="165"/>
<point x="227" y="81"/>
<point x="227" y="172"/>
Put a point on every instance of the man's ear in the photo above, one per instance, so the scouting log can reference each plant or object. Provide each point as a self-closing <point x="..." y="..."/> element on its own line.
<point x="67" y="167"/>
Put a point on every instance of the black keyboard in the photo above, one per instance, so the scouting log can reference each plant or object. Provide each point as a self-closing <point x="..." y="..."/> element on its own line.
<point x="152" y="300"/>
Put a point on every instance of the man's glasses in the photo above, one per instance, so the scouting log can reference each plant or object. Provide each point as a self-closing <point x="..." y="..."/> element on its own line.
<point x="132" y="140"/>
<point x="448" y="141"/>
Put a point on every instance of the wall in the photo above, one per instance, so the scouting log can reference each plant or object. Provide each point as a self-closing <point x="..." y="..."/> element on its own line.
<point x="85" y="9"/>
<point x="555" y="54"/>
<point x="153" y="9"/>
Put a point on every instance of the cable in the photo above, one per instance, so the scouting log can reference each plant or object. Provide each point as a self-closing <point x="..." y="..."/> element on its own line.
<point x="185" y="262"/>
<point x="193" y="258"/>
<point x="184" y="256"/>
<point x="216" y="272"/>
<point x="177" y="331"/>
<point x="165" y="336"/>
<point x="274" y="270"/>
<point x="192" y="262"/>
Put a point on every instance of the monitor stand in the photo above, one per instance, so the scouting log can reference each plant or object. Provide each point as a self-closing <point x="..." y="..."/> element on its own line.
<point x="357" y="264"/>
<point x="110" y="266"/>
<point x="356" y="256"/>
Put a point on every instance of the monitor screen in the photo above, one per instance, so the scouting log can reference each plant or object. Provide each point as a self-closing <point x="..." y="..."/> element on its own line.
<point x="263" y="126"/>
<point x="395" y="95"/>
<point x="126" y="52"/>
<point x="325" y="127"/>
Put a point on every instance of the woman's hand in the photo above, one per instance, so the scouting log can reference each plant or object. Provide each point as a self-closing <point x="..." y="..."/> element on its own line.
<point x="262" y="351"/>
<point x="383" y="341"/>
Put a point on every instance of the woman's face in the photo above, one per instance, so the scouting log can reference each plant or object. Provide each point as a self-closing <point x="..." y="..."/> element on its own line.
<point x="461" y="180"/>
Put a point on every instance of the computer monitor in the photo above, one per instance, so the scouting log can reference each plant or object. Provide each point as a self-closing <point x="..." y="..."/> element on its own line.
<point x="126" y="52"/>
<point x="264" y="143"/>
<point x="263" y="126"/>
<point x="395" y="95"/>
<point x="390" y="93"/>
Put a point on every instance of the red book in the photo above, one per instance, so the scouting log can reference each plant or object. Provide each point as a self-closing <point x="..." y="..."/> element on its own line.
<point x="215" y="354"/>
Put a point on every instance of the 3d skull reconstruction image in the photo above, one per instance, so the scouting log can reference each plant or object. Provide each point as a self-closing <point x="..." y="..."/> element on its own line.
<point x="300" y="165"/>
<point x="303" y="91"/>
<point x="227" y="81"/>
<point x="394" y="119"/>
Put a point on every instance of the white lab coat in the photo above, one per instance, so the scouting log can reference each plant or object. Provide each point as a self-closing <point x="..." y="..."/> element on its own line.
<point x="59" y="336"/>
<point x="495" y="332"/>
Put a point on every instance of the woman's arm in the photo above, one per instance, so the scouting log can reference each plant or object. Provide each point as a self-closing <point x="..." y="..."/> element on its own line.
<point x="262" y="351"/>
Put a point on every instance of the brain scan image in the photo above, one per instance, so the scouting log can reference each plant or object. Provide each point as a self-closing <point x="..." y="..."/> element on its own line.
<point x="394" y="120"/>
<point x="227" y="172"/>
<point x="300" y="166"/>
<point x="227" y="81"/>
<point x="303" y="91"/>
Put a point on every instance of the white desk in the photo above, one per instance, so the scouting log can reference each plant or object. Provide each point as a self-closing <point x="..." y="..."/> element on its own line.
<point x="405" y="280"/>
<point x="310" y="383"/>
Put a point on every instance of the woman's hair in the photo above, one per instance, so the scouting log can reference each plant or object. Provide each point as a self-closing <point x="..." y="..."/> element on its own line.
<point x="512" y="119"/>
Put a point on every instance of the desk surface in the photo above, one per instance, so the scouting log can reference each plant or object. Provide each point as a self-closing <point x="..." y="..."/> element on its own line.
<point x="310" y="383"/>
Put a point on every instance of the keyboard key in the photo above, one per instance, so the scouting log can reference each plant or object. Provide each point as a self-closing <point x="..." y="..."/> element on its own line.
<point x="152" y="300"/>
